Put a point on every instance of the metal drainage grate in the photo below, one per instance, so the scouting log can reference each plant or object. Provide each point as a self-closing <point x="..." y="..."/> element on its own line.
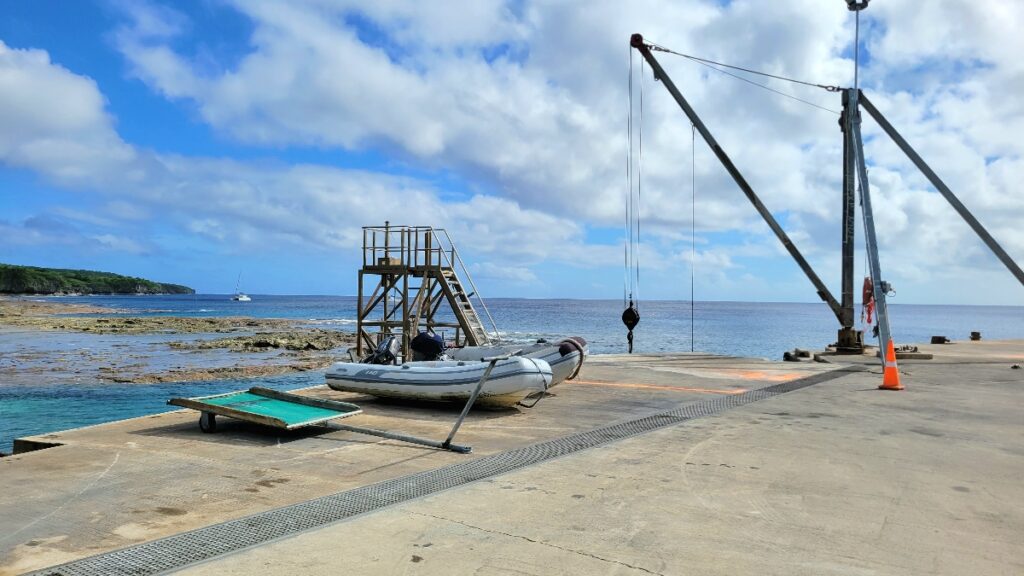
<point x="180" y="550"/>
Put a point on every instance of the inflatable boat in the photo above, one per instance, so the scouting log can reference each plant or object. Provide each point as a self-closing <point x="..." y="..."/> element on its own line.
<point x="510" y="381"/>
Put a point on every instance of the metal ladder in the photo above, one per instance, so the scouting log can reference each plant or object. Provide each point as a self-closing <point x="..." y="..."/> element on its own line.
<point x="477" y="334"/>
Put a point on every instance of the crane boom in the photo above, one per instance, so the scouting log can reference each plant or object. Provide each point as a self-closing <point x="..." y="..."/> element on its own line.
<point x="637" y="41"/>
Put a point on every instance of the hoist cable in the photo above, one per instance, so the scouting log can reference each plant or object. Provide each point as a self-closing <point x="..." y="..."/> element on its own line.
<point x="770" y="89"/>
<point x="630" y="211"/>
<point x="626" y="276"/>
<point x="631" y="264"/>
<point x="748" y="70"/>
<point x="639" y="181"/>
<point x="711" y="64"/>
<point x="693" y="220"/>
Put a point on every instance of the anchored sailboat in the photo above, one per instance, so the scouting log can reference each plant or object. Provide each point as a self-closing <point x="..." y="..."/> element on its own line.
<point x="239" y="295"/>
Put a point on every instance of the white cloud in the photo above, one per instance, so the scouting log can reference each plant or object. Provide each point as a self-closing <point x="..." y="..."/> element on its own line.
<point x="496" y="271"/>
<point x="120" y="244"/>
<point x="54" y="120"/>
<point x="55" y="231"/>
<point x="543" y="121"/>
<point x="240" y="204"/>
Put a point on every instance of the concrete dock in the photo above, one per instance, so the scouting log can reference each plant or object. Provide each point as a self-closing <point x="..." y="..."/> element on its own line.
<point x="740" y="473"/>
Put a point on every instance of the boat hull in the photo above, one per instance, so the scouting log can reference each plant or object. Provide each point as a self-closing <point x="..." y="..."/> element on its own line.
<point x="510" y="381"/>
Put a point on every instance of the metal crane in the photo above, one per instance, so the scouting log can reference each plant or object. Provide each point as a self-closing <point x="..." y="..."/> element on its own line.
<point x="854" y="171"/>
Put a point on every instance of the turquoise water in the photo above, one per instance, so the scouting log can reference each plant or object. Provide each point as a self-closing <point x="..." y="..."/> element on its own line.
<point x="735" y="328"/>
<point x="36" y="409"/>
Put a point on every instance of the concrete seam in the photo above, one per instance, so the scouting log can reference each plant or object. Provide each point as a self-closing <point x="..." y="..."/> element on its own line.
<point x="541" y="542"/>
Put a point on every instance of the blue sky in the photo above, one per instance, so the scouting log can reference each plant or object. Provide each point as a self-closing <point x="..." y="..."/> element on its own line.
<point x="192" y="141"/>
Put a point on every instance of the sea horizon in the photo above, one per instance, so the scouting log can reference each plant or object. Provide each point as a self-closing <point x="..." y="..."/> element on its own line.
<point x="228" y="295"/>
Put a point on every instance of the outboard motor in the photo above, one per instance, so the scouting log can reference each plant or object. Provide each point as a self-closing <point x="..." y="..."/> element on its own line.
<point x="427" y="346"/>
<point x="386" y="352"/>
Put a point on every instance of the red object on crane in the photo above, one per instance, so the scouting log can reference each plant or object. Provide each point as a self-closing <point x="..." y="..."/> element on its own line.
<point x="868" y="297"/>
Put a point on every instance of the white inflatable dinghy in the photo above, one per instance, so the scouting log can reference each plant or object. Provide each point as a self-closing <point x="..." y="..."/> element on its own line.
<point x="510" y="381"/>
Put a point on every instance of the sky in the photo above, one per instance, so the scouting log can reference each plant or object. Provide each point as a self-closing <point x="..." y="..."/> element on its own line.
<point x="198" y="140"/>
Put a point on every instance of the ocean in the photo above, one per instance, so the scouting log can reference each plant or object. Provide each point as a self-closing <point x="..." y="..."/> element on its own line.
<point x="748" y="329"/>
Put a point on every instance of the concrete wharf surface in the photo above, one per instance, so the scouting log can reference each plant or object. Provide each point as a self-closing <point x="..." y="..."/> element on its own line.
<point x="834" y="478"/>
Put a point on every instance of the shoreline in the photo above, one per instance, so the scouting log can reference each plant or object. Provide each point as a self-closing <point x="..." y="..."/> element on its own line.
<point x="39" y="340"/>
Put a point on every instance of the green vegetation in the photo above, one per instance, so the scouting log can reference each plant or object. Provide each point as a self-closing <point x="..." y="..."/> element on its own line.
<point x="32" y="280"/>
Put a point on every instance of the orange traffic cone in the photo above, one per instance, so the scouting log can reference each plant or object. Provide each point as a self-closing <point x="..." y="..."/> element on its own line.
<point x="890" y="373"/>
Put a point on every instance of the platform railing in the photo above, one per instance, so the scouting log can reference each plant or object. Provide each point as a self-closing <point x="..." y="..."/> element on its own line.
<point x="457" y="259"/>
<point x="401" y="246"/>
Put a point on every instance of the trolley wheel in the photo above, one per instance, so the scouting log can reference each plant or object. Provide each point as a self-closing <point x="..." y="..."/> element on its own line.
<point x="208" y="422"/>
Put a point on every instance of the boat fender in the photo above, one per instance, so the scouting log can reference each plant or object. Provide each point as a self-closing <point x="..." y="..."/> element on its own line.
<point x="567" y="346"/>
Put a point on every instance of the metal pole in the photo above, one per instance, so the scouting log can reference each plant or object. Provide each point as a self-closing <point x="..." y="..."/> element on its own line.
<point x="637" y="41"/>
<point x="856" y="52"/>
<point x="943" y="189"/>
<point x="359" y="311"/>
<point x="848" y="339"/>
<point x="849" y="210"/>
<point x="880" y="286"/>
<point x="403" y="438"/>
<point x="472" y="399"/>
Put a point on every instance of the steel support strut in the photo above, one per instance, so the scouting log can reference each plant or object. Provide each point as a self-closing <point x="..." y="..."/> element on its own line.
<point x="849" y="339"/>
<point x="849" y="211"/>
<point x="870" y="241"/>
<point x="637" y="41"/>
<point x="943" y="189"/>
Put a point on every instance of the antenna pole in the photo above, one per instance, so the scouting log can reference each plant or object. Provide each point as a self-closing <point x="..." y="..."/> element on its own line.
<point x="856" y="53"/>
<point x="856" y="6"/>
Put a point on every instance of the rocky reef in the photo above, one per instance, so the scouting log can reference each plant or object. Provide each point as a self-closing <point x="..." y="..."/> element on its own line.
<point x="38" y="340"/>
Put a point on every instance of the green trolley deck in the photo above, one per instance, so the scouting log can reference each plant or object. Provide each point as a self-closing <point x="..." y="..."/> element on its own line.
<point x="267" y="407"/>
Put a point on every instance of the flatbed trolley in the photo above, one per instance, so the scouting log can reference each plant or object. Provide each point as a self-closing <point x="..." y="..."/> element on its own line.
<point x="265" y="406"/>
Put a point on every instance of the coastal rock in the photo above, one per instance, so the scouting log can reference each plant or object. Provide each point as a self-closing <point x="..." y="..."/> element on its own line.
<point x="313" y="339"/>
<point x="272" y="346"/>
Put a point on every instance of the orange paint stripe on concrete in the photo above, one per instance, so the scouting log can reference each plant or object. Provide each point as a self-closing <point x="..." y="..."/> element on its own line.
<point x="660" y="387"/>
<point x="759" y="374"/>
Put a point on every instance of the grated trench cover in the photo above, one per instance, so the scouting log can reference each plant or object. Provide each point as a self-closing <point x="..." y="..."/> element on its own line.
<point x="181" y="550"/>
